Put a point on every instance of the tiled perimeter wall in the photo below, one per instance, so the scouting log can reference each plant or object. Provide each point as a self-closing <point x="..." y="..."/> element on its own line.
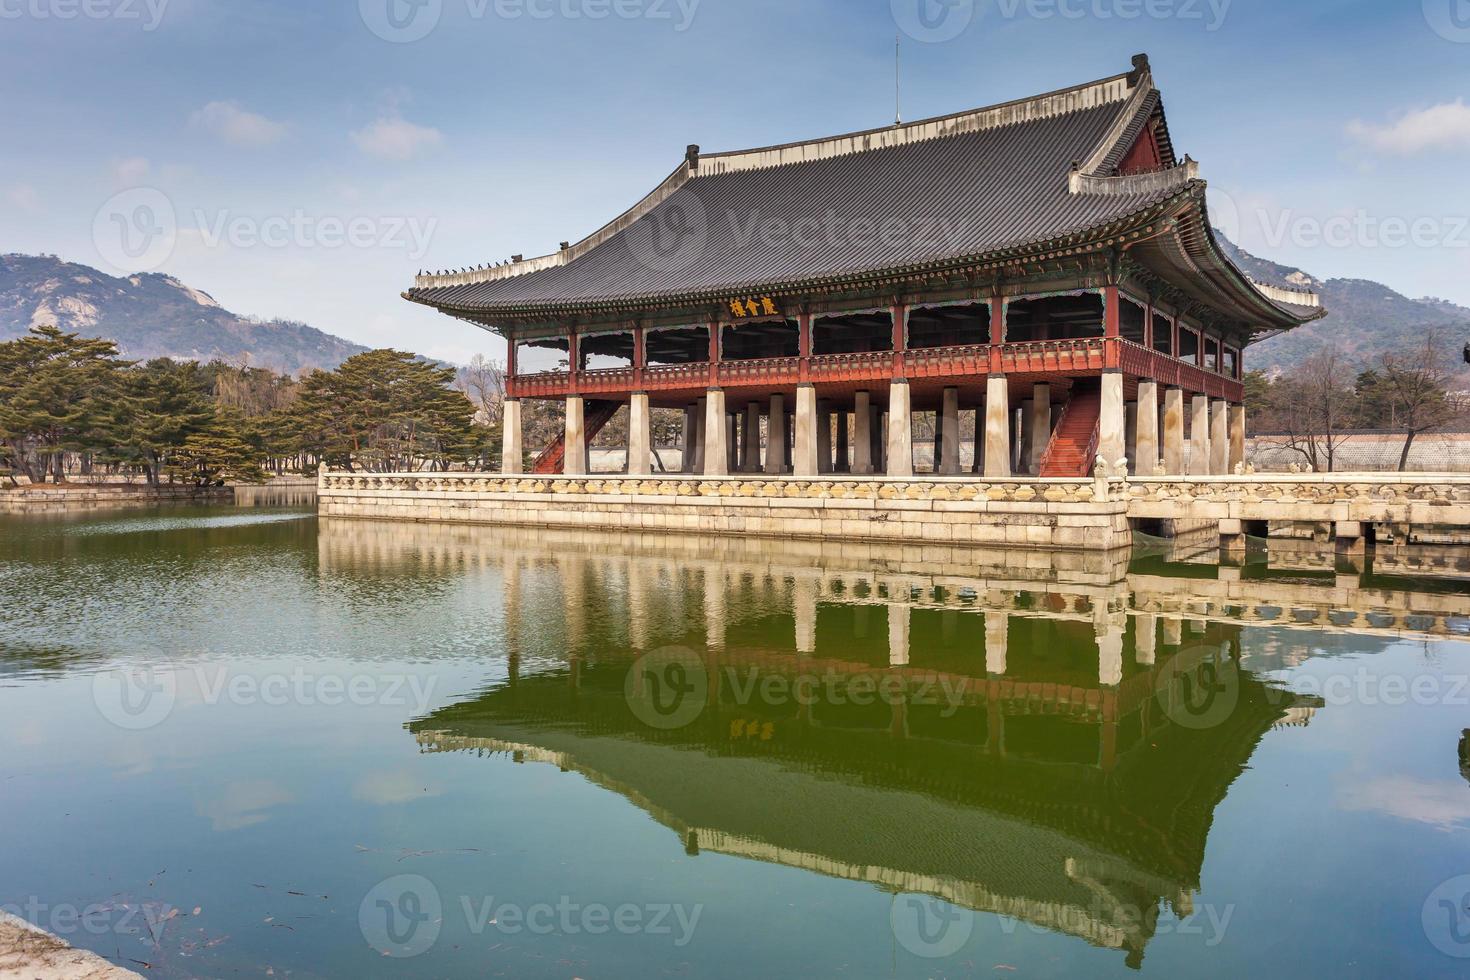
<point x="1064" y="514"/>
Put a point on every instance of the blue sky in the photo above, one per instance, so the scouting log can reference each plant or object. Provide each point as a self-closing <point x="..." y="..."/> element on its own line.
<point x="311" y="166"/>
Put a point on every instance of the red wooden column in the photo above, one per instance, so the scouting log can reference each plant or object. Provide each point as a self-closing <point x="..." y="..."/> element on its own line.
<point x="899" y="312"/>
<point x="640" y="358"/>
<point x="997" y="331"/>
<point x="510" y="367"/>
<point x="1112" y="323"/>
<point x="714" y="354"/>
<point x="574" y="362"/>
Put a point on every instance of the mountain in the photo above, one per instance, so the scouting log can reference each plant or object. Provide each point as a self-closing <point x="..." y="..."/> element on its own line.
<point x="153" y="315"/>
<point x="1364" y="319"/>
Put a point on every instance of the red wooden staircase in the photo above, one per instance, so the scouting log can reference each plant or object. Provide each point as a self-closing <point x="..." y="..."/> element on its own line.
<point x="1074" y="440"/>
<point x="552" y="458"/>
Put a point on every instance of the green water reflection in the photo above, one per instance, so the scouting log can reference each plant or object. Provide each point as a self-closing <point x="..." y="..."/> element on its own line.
<point x="623" y="755"/>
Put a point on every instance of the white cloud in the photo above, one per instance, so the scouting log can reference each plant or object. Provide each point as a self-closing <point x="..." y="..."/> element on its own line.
<point x="391" y="788"/>
<point x="1441" y="127"/>
<point x="24" y="197"/>
<point x="238" y="126"/>
<point x="1441" y="804"/>
<point x="131" y="171"/>
<point x="395" y="138"/>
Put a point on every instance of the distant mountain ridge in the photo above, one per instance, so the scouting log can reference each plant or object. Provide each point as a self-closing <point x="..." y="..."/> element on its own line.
<point x="1364" y="318"/>
<point x="153" y="315"/>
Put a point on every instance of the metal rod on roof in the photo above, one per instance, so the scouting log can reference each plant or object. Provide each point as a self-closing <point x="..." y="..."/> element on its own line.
<point x="897" y="90"/>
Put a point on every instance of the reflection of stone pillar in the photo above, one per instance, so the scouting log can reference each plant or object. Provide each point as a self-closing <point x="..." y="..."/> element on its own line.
<point x="511" y="596"/>
<point x="804" y="596"/>
<point x="947" y="461"/>
<point x="804" y="463"/>
<point x="1112" y="425"/>
<point x="1173" y="632"/>
<point x="701" y="433"/>
<point x="1109" y="655"/>
<point x="824" y="436"/>
<point x="997" y="426"/>
<point x="997" y="640"/>
<point x="512" y="455"/>
<point x="574" y="601"/>
<point x="714" y="607"/>
<point x="639" y="461"/>
<point x="900" y="431"/>
<point x="716" y="452"/>
<point x="1220" y="437"/>
<point x="862" y="434"/>
<point x="776" y="436"/>
<point x="1237" y="436"/>
<point x="752" y="444"/>
<point x="1146" y="462"/>
<point x="1145" y="637"/>
<point x="898" y="635"/>
<point x="1199" y="436"/>
<point x="1174" y="431"/>
<point x="1040" y="427"/>
<point x="574" y="450"/>
<point x="638" y="595"/>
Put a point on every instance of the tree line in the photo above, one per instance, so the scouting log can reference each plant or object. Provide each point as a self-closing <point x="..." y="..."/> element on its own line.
<point x="72" y="405"/>
<point x="1313" y="407"/>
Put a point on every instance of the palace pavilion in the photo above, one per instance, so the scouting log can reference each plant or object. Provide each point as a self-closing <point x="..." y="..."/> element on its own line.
<point x="1047" y="264"/>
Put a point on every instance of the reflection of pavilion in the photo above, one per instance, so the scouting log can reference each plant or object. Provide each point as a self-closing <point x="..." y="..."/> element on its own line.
<point x="1029" y="766"/>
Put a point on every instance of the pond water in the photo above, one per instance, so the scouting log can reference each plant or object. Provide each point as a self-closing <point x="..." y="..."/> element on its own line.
<point x="242" y="741"/>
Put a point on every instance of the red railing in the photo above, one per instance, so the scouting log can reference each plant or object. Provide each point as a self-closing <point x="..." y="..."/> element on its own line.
<point x="666" y="376"/>
<point x="1054" y="356"/>
<point x="857" y="366"/>
<point x="605" y="381"/>
<point x="947" y="362"/>
<point x="1139" y="360"/>
<point x="553" y="384"/>
<point x="761" y="371"/>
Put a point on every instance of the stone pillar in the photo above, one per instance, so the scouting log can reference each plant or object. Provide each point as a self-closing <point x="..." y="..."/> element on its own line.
<point x="1112" y="426"/>
<point x="512" y="455"/>
<point x="997" y="640"/>
<point x="639" y="434"/>
<point x="1220" y="437"/>
<point x="686" y="462"/>
<point x="1199" y="436"/>
<point x="752" y="445"/>
<point x="1040" y="427"/>
<point x="701" y="433"/>
<point x="947" y="455"/>
<point x="804" y="462"/>
<point x="900" y="431"/>
<point x="880" y="440"/>
<point x="574" y="456"/>
<point x="843" y="463"/>
<point x="898" y="632"/>
<point x="824" y="436"/>
<point x="1028" y="426"/>
<point x="1237" y="436"/>
<point x="997" y="426"/>
<point x="1147" y="451"/>
<point x="732" y="447"/>
<point x="715" y="452"/>
<point x="862" y="434"/>
<point x="1174" y="431"/>
<point x="1130" y="434"/>
<point x="776" y="436"/>
<point x="977" y="442"/>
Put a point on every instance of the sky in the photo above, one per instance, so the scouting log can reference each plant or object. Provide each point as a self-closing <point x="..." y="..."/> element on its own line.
<point x="304" y="159"/>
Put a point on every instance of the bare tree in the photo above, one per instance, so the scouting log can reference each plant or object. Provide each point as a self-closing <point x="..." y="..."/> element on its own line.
<point x="483" y="382"/>
<point x="1310" y="406"/>
<point x="1416" y="384"/>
